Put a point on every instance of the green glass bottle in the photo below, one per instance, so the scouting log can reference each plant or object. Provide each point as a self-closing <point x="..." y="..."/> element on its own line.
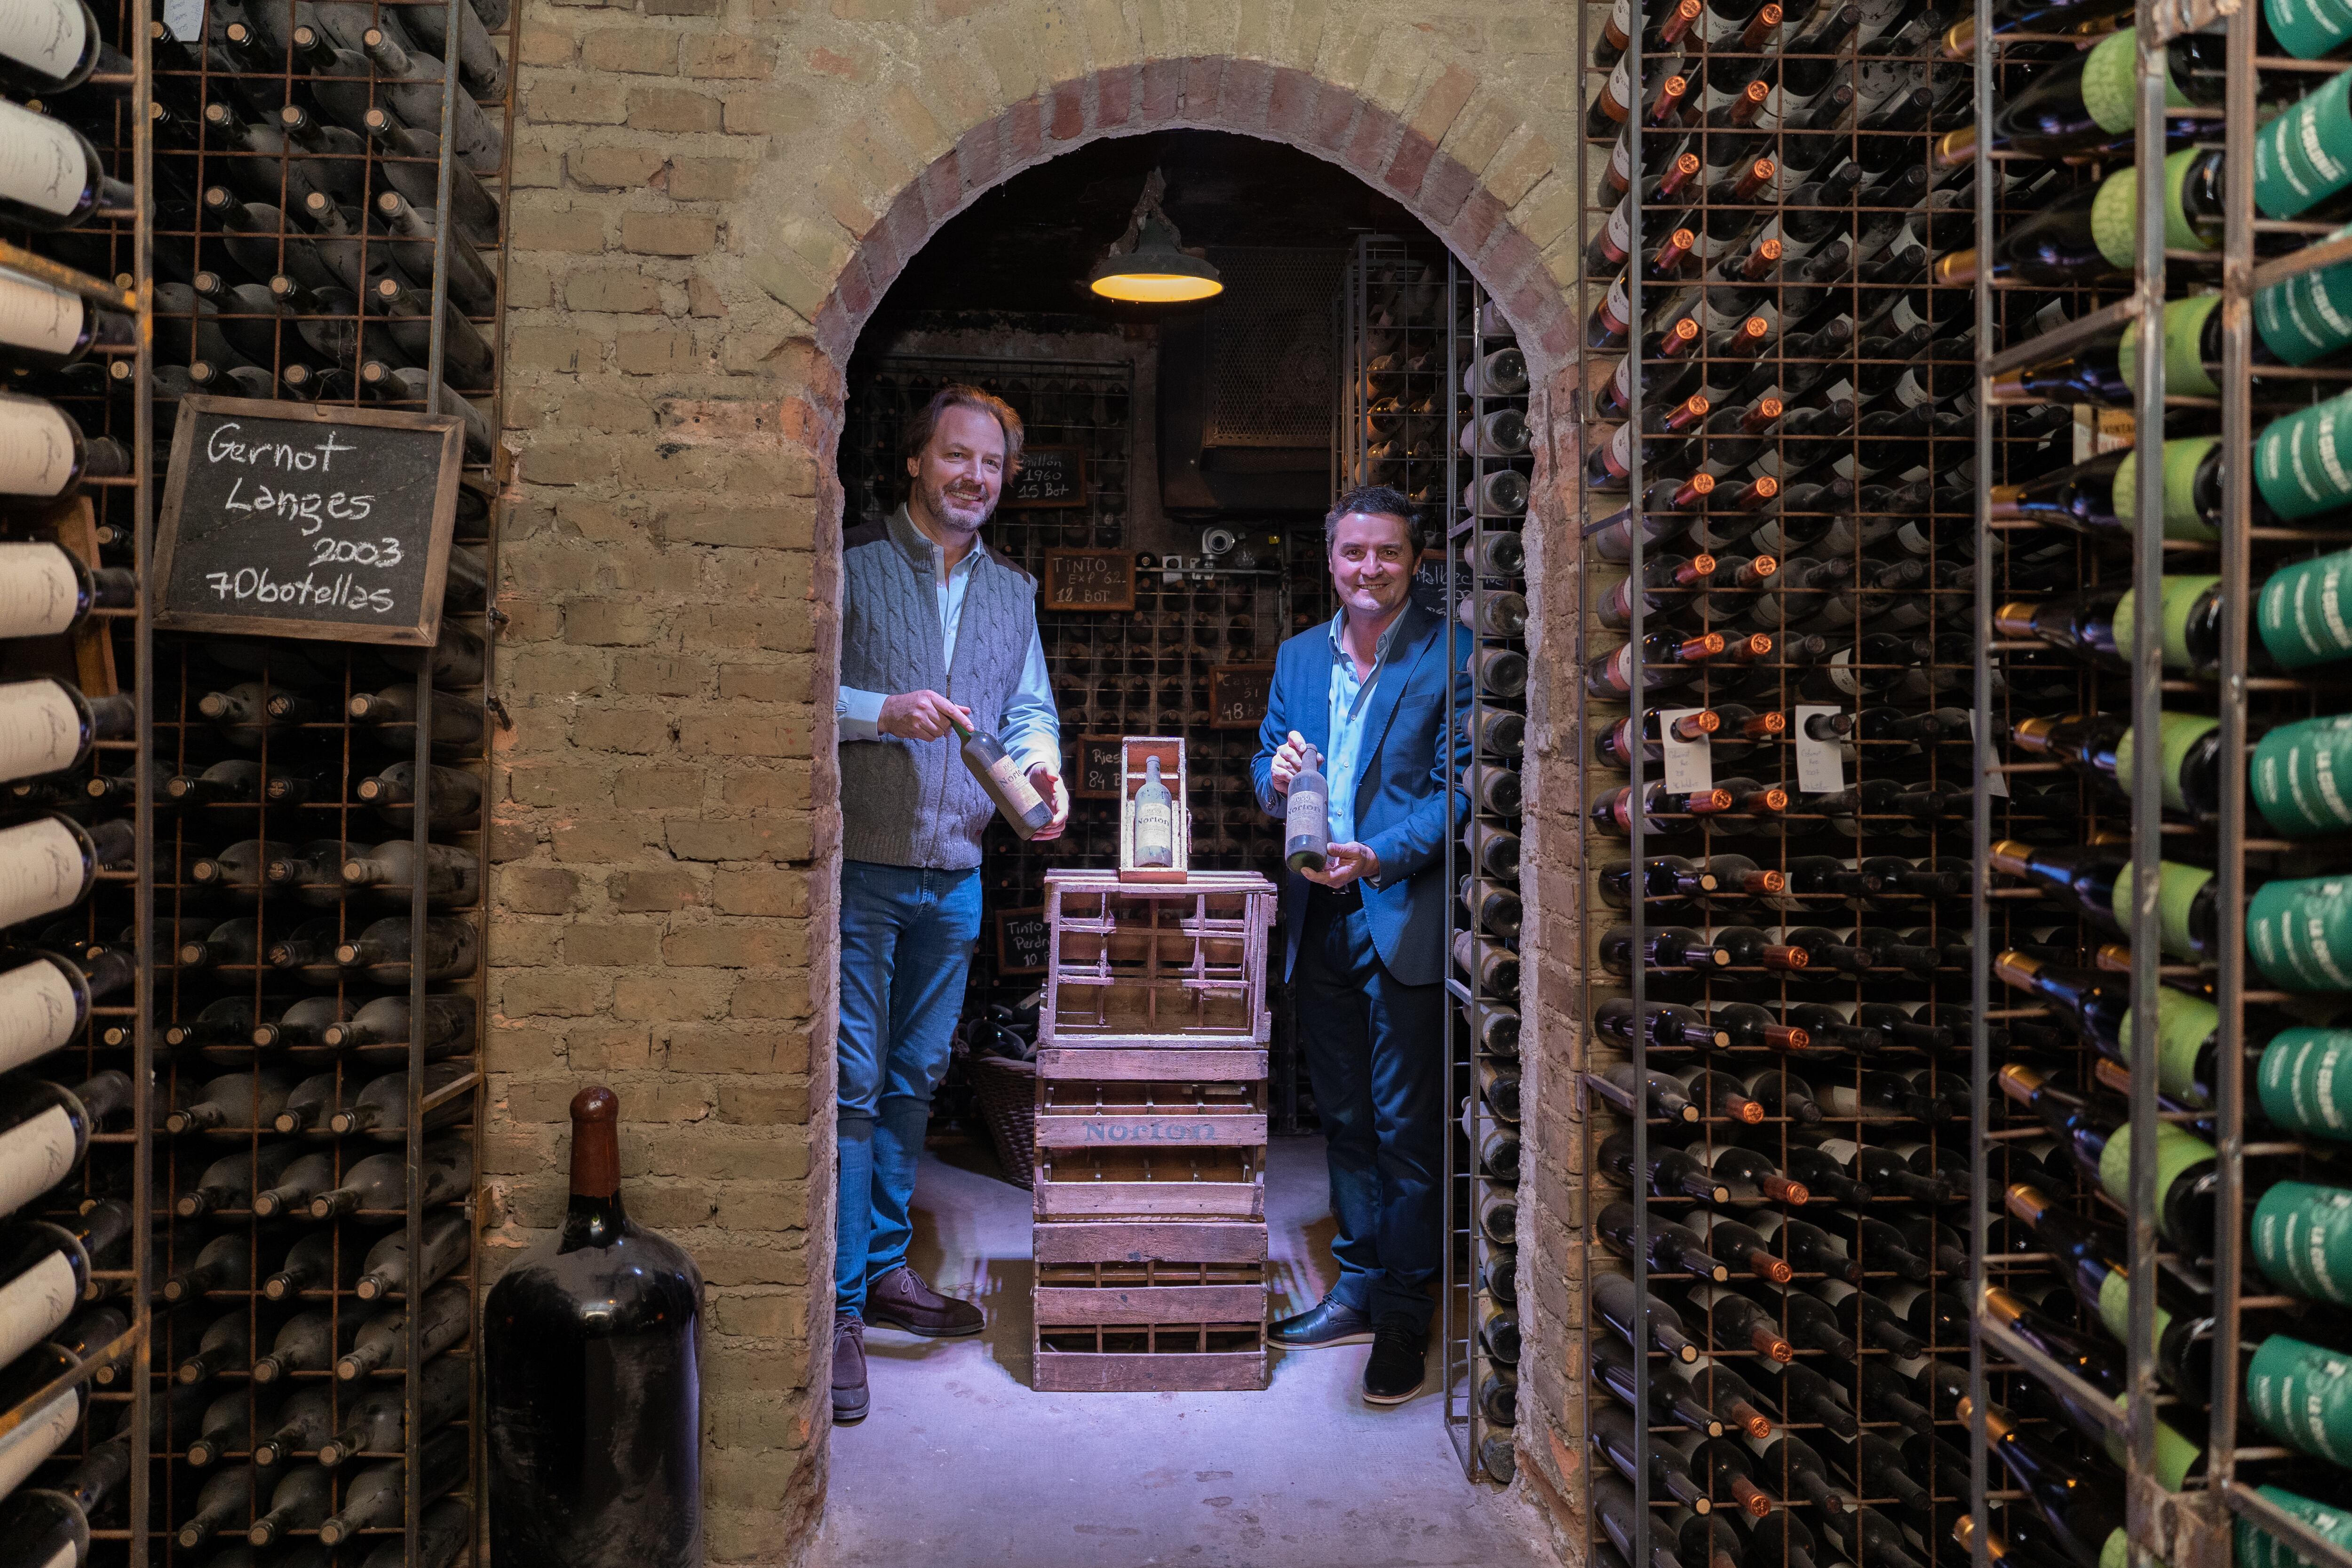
<point x="2186" y="1169"/>
<point x="2301" y="1393"/>
<point x="2098" y="881"/>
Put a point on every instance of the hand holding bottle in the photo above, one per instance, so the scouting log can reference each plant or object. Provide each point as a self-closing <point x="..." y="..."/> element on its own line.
<point x="919" y="716"/>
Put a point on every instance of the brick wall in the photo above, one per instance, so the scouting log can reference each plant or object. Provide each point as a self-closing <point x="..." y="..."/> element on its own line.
<point x="712" y="195"/>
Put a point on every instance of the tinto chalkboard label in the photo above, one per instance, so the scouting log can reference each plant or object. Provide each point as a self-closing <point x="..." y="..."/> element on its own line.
<point x="1090" y="580"/>
<point x="1023" y="942"/>
<point x="297" y="520"/>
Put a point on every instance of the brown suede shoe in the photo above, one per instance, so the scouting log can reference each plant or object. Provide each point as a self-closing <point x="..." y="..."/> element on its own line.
<point x="849" y="1395"/>
<point x="901" y="1298"/>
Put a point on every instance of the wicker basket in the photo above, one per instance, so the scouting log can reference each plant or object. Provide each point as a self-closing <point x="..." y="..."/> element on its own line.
<point x="1007" y="1095"/>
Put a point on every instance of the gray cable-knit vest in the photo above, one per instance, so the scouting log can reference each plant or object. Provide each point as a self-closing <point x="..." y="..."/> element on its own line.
<point x="913" y="802"/>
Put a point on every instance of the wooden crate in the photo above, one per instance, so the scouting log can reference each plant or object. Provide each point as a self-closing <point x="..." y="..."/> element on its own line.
<point x="1150" y="1306"/>
<point x="1167" y="964"/>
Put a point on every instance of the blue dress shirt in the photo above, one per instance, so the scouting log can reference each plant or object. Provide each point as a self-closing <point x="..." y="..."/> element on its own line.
<point x="1343" y="767"/>
<point x="1029" y="727"/>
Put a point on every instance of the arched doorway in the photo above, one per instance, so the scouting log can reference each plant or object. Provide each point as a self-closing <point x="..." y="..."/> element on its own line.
<point x="671" y="833"/>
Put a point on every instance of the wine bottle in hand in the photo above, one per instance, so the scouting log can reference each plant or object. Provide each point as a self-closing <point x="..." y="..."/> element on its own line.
<point x="1307" y="819"/>
<point x="1000" y="775"/>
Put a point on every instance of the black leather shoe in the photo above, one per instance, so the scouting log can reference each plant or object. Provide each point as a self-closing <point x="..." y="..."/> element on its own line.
<point x="1399" y="1362"/>
<point x="1327" y="1322"/>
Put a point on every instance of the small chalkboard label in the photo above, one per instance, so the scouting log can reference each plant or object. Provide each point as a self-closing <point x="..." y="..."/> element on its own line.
<point x="1099" y="768"/>
<point x="1049" y="477"/>
<point x="1238" y="695"/>
<point x="1023" y="942"/>
<point x="297" y="520"/>
<point x="1090" y="580"/>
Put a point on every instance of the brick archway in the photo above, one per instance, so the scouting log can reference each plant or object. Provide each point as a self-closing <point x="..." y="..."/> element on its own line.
<point x="691" y="266"/>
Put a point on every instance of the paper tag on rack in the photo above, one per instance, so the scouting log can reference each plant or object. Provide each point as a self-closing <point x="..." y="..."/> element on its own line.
<point x="1820" y="764"/>
<point x="1690" y="764"/>
<point x="185" y="20"/>
<point x="1996" y="781"/>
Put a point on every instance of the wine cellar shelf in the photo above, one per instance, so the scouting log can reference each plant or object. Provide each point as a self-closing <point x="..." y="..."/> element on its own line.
<point x="271" y="980"/>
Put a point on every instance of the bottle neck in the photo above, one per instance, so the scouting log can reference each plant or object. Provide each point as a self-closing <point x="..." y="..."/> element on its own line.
<point x="594" y="1217"/>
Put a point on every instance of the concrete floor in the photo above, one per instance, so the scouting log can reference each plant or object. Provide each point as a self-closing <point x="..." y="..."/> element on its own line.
<point x="962" y="1464"/>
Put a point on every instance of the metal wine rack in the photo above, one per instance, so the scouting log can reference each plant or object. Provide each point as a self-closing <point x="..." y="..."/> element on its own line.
<point x="2220" y="1509"/>
<point x="103" y="522"/>
<point x="1479" y="1302"/>
<point x="1856" y="61"/>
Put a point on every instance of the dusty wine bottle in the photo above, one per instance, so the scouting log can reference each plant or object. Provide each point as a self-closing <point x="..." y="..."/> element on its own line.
<point x="1155" y="819"/>
<point x="593" y="1401"/>
<point x="1018" y="800"/>
<point x="1306" y="818"/>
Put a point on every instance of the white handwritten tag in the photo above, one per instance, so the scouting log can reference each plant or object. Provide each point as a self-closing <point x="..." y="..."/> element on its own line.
<point x="1690" y="764"/>
<point x="1820" y="764"/>
<point x="1996" y="781"/>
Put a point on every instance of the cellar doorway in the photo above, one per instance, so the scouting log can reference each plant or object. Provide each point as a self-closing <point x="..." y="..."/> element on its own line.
<point x="1201" y="443"/>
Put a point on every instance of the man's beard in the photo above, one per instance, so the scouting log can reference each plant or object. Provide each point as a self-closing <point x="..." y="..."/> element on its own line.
<point x="937" y="502"/>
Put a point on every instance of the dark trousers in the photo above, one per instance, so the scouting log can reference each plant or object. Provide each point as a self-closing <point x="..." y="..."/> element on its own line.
<point x="1375" y="1057"/>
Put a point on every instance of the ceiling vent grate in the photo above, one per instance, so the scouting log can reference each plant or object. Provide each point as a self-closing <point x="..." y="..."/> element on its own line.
<point x="1270" y="347"/>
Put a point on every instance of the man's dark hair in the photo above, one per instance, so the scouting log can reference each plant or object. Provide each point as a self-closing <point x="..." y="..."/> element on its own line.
<point x="957" y="395"/>
<point x="1379" y="500"/>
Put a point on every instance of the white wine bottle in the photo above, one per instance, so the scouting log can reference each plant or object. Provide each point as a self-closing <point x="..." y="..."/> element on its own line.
<point x="50" y="175"/>
<point x="50" y="863"/>
<point x="1018" y="800"/>
<point x="1155" y="819"/>
<point x="44" y="1270"/>
<point x="42" y="328"/>
<point x="45" y="1003"/>
<point x="50" y="47"/>
<point x="1307" y="817"/>
<point x="45" y="590"/>
<point x="42" y="451"/>
<point x="45" y="1430"/>
<point x="45" y="1130"/>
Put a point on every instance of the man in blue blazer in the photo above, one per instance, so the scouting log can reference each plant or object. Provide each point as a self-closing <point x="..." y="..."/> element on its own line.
<point x="1364" y="938"/>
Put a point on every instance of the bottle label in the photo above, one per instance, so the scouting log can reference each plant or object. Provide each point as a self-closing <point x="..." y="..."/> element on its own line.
<point x="40" y="730"/>
<point x="36" y="452"/>
<point x="2181" y="597"/>
<point x="2258" y="1548"/>
<point x="2303" y="1240"/>
<point x="2303" y="463"/>
<point x="2305" y="155"/>
<point x="2305" y="1080"/>
<point x="41" y="162"/>
<point x="2300" y="933"/>
<point x="2309" y="316"/>
<point x="34" y="1303"/>
<point x="2115" y="1308"/>
<point x="38" y="592"/>
<point x="1020" y="796"/>
<point x="2176" y="1456"/>
<point x="1307" y="816"/>
<point x="2302" y="777"/>
<point x="2176" y="897"/>
<point x="33" y="315"/>
<point x="37" y="1013"/>
<point x="2183" y="1024"/>
<point x="2304" y="615"/>
<point x="2184" y="359"/>
<point x="2182" y="458"/>
<point x="40" y="871"/>
<point x="35" y="1155"/>
<point x="1155" y="833"/>
<point x="2177" y="1149"/>
<point x="1621" y="20"/>
<point x="48" y="36"/>
<point x="2301" y="1395"/>
<point x="2308" y="28"/>
<point x="1619" y="239"/>
<point x="37" y="1437"/>
<point x="2177" y="735"/>
<point x="2111" y="83"/>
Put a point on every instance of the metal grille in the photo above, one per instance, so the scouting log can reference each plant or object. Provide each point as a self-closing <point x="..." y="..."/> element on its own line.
<point x="1270" y="347"/>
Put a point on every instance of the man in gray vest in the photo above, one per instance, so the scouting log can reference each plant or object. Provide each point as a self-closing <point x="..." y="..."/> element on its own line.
<point x="938" y="635"/>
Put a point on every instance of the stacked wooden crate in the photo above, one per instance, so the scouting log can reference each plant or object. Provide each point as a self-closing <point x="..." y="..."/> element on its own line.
<point x="1150" y="1176"/>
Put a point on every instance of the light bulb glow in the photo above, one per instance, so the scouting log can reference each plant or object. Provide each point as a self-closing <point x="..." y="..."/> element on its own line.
<point x="1156" y="287"/>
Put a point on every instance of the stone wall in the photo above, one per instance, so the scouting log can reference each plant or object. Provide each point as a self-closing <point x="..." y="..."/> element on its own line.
<point x="712" y="195"/>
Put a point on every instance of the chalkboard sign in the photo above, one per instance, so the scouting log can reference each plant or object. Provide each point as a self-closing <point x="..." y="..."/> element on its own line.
<point x="1021" y="942"/>
<point x="1096" y="775"/>
<point x="1090" y="580"/>
<point x="1238" y="695"/>
<point x="1049" y="477"/>
<point x="297" y="520"/>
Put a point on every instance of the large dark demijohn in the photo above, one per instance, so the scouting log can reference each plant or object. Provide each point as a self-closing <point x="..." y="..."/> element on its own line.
<point x="594" y="1382"/>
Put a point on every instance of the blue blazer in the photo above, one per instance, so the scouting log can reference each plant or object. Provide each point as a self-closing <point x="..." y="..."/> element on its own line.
<point x="1401" y="808"/>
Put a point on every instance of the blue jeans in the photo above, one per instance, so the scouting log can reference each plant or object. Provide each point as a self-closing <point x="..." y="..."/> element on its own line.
<point x="1375" y="1056"/>
<point x="906" y="936"/>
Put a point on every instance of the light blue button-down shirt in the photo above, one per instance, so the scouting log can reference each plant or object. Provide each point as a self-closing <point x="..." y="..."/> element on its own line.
<point x="1030" y="728"/>
<point x="1343" y="762"/>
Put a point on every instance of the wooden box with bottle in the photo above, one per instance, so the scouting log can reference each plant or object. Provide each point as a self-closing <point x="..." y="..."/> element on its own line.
<point x="1155" y="814"/>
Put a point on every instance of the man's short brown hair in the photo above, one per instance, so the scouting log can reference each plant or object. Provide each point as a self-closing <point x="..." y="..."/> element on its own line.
<point x="1377" y="501"/>
<point x="917" y="436"/>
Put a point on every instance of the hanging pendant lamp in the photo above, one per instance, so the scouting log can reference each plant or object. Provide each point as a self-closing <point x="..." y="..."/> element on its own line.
<point x="1148" y="264"/>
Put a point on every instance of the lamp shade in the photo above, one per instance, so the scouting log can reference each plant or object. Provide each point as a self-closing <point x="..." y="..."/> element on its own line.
<point x="1154" y="270"/>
